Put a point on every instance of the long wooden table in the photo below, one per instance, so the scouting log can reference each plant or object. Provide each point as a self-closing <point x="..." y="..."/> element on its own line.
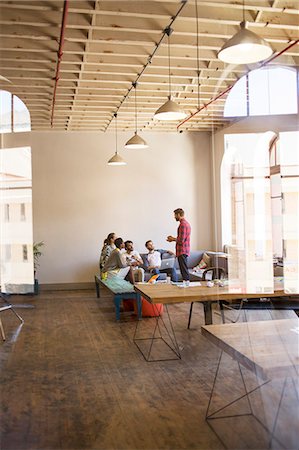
<point x="270" y="349"/>
<point x="170" y="293"/>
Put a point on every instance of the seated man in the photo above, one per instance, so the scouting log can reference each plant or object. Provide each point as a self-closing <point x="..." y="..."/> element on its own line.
<point x="115" y="264"/>
<point x="154" y="261"/>
<point x="133" y="259"/>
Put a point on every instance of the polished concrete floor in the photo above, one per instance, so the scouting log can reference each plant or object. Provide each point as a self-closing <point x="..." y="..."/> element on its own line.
<point x="72" y="378"/>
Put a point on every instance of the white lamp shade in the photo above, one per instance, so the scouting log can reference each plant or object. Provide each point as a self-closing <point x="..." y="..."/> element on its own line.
<point x="116" y="160"/>
<point x="136" y="142"/>
<point x="170" y="111"/>
<point x="245" y="47"/>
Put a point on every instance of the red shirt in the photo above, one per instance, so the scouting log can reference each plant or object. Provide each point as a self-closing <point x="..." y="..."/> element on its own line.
<point x="183" y="239"/>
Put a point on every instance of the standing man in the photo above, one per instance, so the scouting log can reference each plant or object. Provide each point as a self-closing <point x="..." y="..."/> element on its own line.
<point x="182" y="247"/>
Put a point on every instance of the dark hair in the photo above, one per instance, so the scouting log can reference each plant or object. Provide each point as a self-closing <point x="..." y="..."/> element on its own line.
<point x="179" y="211"/>
<point x="108" y="238"/>
<point x="118" y="242"/>
<point x="148" y="242"/>
<point x="128" y="242"/>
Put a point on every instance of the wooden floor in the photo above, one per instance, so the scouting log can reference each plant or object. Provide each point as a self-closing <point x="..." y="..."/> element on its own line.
<point x="72" y="378"/>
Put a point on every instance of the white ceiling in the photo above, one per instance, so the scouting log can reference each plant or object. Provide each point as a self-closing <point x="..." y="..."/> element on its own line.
<point x="108" y="45"/>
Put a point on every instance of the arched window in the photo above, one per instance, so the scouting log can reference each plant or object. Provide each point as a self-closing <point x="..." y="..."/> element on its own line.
<point x="14" y="114"/>
<point x="16" y="235"/>
<point x="265" y="91"/>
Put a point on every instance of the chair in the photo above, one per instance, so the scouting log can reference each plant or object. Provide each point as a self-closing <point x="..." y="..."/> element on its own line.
<point x="211" y="273"/>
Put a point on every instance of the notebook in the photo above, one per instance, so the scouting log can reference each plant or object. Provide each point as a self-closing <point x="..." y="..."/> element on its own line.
<point x="167" y="263"/>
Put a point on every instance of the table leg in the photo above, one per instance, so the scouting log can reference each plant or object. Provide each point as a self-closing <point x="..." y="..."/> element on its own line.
<point x="207" y="307"/>
<point x="97" y="287"/>
<point x="139" y="305"/>
<point x="117" y="300"/>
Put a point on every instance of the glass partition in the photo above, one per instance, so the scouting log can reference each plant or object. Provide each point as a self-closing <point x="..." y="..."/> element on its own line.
<point x="16" y="237"/>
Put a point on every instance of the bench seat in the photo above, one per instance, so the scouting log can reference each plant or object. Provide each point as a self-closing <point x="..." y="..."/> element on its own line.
<point x="121" y="290"/>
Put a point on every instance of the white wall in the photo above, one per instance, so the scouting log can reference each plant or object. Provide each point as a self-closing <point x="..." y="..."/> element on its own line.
<point x="246" y="125"/>
<point x="78" y="199"/>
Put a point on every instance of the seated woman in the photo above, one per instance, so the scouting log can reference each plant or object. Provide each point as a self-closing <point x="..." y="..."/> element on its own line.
<point x="107" y="249"/>
<point x="116" y="265"/>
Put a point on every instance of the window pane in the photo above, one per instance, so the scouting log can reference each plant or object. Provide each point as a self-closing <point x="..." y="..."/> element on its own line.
<point x="236" y="103"/>
<point x="258" y="88"/>
<point x="282" y="90"/>
<point x="5" y="112"/>
<point x="21" y="115"/>
<point x="290" y="190"/>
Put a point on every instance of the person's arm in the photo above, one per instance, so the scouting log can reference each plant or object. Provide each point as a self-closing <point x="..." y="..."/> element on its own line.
<point x="170" y="252"/>
<point x="171" y="239"/>
<point x="138" y="258"/>
<point x="121" y="261"/>
<point x="146" y="263"/>
<point x="182" y="234"/>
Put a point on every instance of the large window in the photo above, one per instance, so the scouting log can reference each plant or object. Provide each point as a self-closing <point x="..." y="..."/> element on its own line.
<point x="16" y="270"/>
<point x="266" y="91"/>
<point x="260" y="217"/>
<point x="16" y="237"/>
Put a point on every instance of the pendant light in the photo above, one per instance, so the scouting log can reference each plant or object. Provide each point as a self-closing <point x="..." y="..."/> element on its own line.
<point x="136" y="141"/>
<point x="116" y="159"/>
<point x="245" y="47"/>
<point x="170" y="110"/>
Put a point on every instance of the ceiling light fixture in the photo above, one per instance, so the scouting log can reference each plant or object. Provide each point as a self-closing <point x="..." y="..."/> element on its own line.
<point x="170" y="110"/>
<point x="245" y="47"/>
<point x="136" y="141"/>
<point x="116" y="159"/>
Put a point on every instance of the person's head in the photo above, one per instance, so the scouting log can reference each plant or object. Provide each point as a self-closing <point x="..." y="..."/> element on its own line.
<point x="119" y="243"/>
<point x="178" y="214"/>
<point x="111" y="238"/>
<point x="149" y="245"/>
<point x="129" y="246"/>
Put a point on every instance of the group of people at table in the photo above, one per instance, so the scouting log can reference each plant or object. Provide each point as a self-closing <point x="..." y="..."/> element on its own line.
<point x="118" y="258"/>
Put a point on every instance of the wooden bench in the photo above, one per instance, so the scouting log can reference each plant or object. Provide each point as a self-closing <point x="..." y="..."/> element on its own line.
<point x="121" y="290"/>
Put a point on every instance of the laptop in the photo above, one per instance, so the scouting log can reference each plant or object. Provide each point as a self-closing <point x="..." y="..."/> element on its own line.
<point x="167" y="263"/>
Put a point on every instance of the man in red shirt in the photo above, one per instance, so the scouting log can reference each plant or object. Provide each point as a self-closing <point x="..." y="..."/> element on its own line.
<point x="182" y="247"/>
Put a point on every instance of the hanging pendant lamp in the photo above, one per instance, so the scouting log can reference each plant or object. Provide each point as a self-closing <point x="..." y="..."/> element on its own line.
<point x="116" y="159"/>
<point x="136" y="141"/>
<point x="170" y="110"/>
<point x="245" y="47"/>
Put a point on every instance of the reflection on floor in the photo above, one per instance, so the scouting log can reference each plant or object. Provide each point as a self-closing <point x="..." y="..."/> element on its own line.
<point x="73" y="379"/>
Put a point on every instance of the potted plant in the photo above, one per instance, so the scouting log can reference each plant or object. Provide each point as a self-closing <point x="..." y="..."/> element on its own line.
<point x="37" y="253"/>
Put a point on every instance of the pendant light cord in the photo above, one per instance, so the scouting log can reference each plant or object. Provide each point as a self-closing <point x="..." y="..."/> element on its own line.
<point x="197" y="55"/>
<point x="135" y="86"/>
<point x="169" y="75"/>
<point x="244" y="11"/>
<point x="115" y="115"/>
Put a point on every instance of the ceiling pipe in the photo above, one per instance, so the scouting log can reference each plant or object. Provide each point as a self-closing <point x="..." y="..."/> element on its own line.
<point x="265" y="63"/>
<point x="59" y="54"/>
<point x="149" y="59"/>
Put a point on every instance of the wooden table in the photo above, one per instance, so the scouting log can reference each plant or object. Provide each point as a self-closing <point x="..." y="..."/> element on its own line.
<point x="170" y="293"/>
<point x="270" y="349"/>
